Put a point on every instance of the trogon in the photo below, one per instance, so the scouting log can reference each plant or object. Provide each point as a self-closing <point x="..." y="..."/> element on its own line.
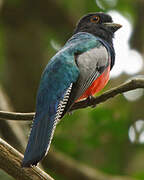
<point x="78" y="70"/>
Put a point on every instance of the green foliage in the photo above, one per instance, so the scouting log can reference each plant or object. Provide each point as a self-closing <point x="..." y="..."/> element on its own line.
<point x="126" y="7"/>
<point x="13" y="3"/>
<point x="139" y="176"/>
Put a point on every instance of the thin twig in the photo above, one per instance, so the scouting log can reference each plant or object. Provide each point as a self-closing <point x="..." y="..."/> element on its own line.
<point x="16" y="116"/>
<point x="128" y="86"/>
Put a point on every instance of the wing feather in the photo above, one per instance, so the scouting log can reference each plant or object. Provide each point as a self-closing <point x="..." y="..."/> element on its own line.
<point x="91" y="65"/>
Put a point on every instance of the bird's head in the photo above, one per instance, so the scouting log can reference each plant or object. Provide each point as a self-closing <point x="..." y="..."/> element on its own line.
<point x="98" y="24"/>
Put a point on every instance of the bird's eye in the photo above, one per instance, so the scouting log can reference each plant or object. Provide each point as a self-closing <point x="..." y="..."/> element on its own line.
<point x="95" y="19"/>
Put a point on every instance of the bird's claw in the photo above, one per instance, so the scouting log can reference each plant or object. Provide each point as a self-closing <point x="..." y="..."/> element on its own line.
<point x="89" y="99"/>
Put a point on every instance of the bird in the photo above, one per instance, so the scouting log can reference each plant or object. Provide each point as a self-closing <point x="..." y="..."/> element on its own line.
<point x="77" y="71"/>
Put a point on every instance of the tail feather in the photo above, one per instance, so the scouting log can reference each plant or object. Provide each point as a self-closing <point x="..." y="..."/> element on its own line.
<point x="43" y="129"/>
<point x="39" y="140"/>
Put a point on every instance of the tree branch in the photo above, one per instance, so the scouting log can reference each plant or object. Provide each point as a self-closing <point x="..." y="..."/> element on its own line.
<point x="5" y="115"/>
<point x="128" y="86"/>
<point x="10" y="162"/>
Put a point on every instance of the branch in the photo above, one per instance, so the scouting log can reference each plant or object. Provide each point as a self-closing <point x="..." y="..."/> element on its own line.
<point x="10" y="162"/>
<point x="4" y="115"/>
<point x="130" y="85"/>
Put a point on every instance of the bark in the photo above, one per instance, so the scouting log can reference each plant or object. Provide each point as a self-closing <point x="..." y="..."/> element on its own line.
<point x="10" y="162"/>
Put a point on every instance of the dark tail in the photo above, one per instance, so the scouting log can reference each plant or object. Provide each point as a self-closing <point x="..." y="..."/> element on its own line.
<point x="39" y="140"/>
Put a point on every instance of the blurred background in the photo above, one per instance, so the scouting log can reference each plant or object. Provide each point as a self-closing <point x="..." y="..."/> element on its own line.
<point x="109" y="138"/>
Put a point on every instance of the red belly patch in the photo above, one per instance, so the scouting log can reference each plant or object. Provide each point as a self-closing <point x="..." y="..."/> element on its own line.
<point x="97" y="85"/>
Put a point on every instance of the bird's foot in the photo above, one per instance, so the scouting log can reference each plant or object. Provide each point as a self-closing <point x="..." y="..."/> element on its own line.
<point x="89" y="99"/>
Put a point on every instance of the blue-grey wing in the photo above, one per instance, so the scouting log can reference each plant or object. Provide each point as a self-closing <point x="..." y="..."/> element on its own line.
<point x="92" y="64"/>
